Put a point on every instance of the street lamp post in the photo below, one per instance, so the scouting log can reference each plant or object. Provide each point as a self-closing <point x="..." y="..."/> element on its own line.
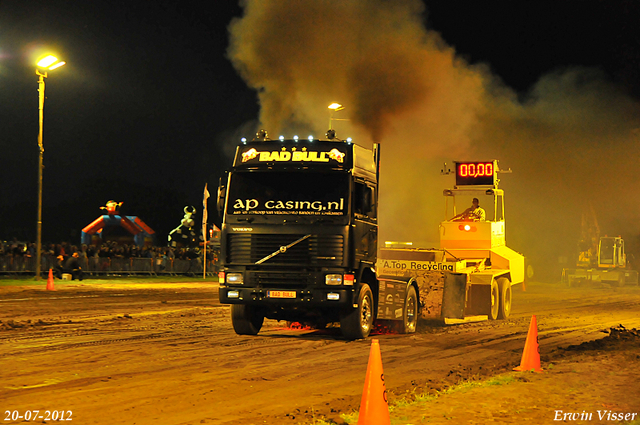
<point x="45" y="64"/>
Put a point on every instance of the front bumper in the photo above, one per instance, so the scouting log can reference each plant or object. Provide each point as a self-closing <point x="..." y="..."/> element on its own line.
<point x="287" y="297"/>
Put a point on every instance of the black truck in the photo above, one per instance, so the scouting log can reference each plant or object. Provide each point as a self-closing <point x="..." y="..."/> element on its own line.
<point x="300" y="234"/>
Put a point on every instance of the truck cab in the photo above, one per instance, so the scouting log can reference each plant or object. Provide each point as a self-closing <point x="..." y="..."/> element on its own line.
<point x="299" y="234"/>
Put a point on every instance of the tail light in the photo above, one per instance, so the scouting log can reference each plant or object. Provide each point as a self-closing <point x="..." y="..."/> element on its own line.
<point x="467" y="228"/>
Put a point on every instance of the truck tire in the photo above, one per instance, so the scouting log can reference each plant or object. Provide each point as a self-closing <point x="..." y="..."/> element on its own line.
<point x="246" y="320"/>
<point x="410" y="312"/>
<point x="357" y="323"/>
<point x="494" y="301"/>
<point x="504" y="288"/>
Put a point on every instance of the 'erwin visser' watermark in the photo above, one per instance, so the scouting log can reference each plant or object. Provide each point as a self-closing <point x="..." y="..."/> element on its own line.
<point x="603" y="415"/>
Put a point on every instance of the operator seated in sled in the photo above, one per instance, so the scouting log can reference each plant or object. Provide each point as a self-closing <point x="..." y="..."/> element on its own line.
<point x="473" y="213"/>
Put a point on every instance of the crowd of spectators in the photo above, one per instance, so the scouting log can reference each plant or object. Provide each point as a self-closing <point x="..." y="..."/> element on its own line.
<point x="107" y="249"/>
<point x="24" y="253"/>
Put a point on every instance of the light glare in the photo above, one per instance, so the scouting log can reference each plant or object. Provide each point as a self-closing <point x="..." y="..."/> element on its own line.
<point x="58" y="65"/>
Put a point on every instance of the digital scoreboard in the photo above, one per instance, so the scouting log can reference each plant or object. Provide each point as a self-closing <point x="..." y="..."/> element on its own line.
<point x="476" y="173"/>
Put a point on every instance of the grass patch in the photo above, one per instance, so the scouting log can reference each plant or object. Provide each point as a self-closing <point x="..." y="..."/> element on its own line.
<point x="421" y="399"/>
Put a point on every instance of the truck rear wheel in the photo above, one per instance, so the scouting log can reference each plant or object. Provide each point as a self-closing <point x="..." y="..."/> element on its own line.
<point x="410" y="312"/>
<point x="494" y="300"/>
<point x="246" y="320"/>
<point x="504" y="288"/>
<point x="357" y="323"/>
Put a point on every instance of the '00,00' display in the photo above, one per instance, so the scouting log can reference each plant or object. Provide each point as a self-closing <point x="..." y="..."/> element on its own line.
<point x="475" y="173"/>
<point x="476" y="170"/>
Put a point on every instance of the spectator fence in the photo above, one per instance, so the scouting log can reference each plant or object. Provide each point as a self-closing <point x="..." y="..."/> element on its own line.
<point x="18" y="265"/>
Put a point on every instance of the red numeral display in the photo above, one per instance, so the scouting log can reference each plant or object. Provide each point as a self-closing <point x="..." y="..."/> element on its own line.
<point x="476" y="170"/>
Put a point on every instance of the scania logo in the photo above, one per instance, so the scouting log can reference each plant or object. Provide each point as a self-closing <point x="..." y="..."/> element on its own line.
<point x="242" y="229"/>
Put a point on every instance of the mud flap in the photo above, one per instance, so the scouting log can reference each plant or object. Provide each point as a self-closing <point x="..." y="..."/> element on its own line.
<point x="455" y="287"/>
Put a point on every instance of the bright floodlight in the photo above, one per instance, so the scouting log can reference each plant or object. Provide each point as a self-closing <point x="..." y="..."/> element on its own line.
<point x="295" y="138"/>
<point x="311" y="138"/>
<point x="281" y="138"/>
<point x="47" y="61"/>
<point x="50" y="62"/>
<point x="336" y="106"/>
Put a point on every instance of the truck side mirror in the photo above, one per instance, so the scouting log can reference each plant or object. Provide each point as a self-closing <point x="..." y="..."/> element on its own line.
<point x="222" y="189"/>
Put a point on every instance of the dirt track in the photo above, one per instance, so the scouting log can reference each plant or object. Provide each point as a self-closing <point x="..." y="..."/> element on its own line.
<point x="166" y="354"/>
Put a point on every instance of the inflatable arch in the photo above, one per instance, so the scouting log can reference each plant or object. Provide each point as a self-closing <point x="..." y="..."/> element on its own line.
<point x="130" y="223"/>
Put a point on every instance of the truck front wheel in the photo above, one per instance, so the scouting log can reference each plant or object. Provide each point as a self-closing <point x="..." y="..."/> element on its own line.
<point x="357" y="323"/>
<point x="246" y="320"/>
<point x="504" y="288"/>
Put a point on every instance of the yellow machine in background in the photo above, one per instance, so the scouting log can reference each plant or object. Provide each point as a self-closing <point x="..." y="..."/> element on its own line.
<point x="600" y="259"/>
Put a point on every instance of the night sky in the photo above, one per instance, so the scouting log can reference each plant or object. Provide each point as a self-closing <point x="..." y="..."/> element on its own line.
<point x="148" y="108"/>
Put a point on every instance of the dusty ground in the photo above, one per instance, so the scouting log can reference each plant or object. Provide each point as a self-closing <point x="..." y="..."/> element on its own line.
<point x="123" y="353"/>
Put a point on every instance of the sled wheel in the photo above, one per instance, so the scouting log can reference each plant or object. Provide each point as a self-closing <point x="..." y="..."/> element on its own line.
<point x="410" y="312"/>
<point x="504" y="288"/>
<point x="494" y="300"/>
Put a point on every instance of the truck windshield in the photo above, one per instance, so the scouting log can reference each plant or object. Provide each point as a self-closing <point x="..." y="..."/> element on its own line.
<point x="285" y="195"/>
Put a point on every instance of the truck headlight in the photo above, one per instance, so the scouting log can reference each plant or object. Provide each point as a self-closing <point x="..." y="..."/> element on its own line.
<point x="333" y="279"/>
<point x="234" y="278"/>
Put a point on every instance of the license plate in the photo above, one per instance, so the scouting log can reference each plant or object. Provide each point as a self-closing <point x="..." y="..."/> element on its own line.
<point x="281" y="294"/>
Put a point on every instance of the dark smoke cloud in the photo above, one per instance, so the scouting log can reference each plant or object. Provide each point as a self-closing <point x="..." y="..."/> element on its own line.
<point x="573" y="140"/>
<point x="372" y="56"/>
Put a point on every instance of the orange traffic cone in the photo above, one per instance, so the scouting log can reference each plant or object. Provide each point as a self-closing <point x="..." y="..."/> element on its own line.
<point x="374" y="408"/>
<point x="50" y="281"/>
<point x="531" y="354"/>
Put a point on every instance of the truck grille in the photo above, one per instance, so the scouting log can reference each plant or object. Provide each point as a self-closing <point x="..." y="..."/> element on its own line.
<point x="317" y="250"/>
<point x="280" y="280"/>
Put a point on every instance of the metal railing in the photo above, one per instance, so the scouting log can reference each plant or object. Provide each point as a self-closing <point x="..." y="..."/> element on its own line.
<point x="18" y="265"/>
